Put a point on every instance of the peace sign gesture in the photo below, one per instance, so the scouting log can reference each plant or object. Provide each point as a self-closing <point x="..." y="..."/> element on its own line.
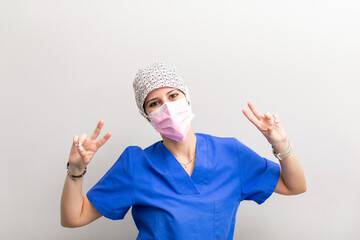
<point x="83" y="149"/>
<point x="270" y="126"/>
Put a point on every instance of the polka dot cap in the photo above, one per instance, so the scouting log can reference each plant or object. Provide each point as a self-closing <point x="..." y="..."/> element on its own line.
<point x="156" y="76"/>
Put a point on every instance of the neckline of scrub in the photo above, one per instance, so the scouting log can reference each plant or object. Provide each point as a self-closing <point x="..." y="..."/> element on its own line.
<point x="190" y="184"/>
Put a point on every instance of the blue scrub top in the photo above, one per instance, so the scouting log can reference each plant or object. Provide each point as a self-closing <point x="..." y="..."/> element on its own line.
<point x="169" y="204"/>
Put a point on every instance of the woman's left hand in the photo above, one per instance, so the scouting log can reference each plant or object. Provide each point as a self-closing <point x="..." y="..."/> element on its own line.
<point x="270" y="126"/>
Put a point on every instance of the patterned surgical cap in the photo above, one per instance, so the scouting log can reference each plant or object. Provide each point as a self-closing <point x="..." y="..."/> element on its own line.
<point x="156" y="76"/>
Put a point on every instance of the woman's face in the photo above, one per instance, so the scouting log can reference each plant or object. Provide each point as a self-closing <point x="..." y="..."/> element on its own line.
<point x="158" y="97"/>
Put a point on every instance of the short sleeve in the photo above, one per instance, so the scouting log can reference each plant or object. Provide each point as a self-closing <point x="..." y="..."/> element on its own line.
<point x="112" y="195"/>
<point x="259" y="176"/>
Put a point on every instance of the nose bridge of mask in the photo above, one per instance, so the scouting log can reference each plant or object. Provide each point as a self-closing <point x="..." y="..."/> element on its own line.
<point x="169" y="107"/>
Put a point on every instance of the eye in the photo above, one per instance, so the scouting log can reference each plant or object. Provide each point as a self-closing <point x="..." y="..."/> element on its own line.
<point x="153" y="104"/>
<point x="172" y="96"/>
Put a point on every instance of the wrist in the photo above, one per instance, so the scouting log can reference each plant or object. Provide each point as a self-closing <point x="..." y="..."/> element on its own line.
<point x="75" y="170"/>
<point x="282" y="155"/>
<point x="280" y="146"/>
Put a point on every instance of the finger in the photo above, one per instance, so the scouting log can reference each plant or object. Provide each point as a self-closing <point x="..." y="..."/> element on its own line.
<point x="254" y="111"/>
<point x="276" y="118"/>
<point x="83" y="154"/>
<point x="269" y="118"/>
<point x="81" y="150"/>
<point x="103" y="140"/>
<point x="81" y="140"/>
<point x="251" y="118"/>
<point x="97" y="130"/>
<point x="75" y="140"/>
<point x="83" y="137"/>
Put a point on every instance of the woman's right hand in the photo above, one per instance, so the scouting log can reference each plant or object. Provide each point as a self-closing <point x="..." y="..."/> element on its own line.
<point x="82" y="153"/>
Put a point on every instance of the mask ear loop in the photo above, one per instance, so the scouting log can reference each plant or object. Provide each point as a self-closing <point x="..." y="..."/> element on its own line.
<point x="145" y="116"/>
<point x="187" y="96"/>
<point x="148" y="118"/>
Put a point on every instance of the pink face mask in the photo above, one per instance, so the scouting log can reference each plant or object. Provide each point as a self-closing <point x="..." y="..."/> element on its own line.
<point x="173" y="119"/>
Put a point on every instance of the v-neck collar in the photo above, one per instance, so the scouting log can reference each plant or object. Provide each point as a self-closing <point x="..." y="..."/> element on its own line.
<point x="189" y="185"/>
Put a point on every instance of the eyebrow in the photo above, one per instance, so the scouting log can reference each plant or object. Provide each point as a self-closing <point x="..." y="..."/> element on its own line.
<point x="157" y="97"/>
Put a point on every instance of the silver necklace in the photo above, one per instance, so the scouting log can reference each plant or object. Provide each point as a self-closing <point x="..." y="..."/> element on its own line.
<point x="185" y="164"/>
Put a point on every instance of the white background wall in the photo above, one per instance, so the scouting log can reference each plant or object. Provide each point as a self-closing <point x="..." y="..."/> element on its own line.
<point x="64" y="65"/>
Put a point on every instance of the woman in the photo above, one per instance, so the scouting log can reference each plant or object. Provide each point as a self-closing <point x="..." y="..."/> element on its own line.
<point x="187" y="186"/>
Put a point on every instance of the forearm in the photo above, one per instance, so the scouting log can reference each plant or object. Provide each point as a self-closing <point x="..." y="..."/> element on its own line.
<point x="71" y="202"/>
<point x="292" y="172"/>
